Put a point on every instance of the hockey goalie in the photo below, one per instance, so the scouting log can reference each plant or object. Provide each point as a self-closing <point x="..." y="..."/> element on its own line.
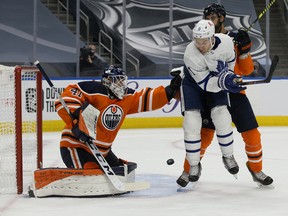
<point x="93" y="113"/>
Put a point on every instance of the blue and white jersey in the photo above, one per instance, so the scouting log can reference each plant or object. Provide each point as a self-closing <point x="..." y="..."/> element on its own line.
<point x="205" y="68"/>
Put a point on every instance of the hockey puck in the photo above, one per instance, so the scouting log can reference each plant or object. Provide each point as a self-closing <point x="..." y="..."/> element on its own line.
<point x="170" y="161"/>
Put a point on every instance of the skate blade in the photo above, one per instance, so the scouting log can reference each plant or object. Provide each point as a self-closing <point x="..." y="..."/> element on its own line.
<point x="261" y="186"/>
<point x="180" y="188"/>
<point x="235" y="176"/>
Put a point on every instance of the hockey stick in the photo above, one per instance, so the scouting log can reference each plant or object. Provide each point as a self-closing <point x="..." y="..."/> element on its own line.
<point x="121" y="186"/>
<point x="260" y="15"/>
<point x="269" y="76"/>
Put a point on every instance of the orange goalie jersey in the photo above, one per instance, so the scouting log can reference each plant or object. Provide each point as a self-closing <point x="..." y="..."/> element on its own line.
<point x="112" y="111"/>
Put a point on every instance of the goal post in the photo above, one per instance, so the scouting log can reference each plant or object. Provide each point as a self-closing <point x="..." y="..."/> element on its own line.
<point x="20" y="126"/>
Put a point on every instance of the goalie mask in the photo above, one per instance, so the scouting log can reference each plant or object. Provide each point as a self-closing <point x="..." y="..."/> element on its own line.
<point x="116" y="80"/>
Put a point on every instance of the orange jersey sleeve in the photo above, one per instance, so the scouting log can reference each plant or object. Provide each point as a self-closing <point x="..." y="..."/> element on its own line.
<point x="148" y="99"/>
<point x="244" y="64"/>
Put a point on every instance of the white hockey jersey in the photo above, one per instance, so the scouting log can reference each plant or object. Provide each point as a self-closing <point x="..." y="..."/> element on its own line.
<point x="204" y="69"/>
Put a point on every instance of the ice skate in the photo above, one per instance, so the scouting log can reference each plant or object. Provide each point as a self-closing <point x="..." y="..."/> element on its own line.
<point x="183" y="180"/>
<point x="193" y="177"/>
<point x="261" y="178"/>
<point x="231" y="165"/>
<point x="195" y="173"/>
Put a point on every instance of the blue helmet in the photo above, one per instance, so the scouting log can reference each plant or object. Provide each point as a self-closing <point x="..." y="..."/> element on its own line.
<point x="116" y="80"/>
<point x="112" y="71"/>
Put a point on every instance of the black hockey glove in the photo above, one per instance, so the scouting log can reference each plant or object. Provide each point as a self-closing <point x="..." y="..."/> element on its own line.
<point x="229" y="81"/>
<point x="173" y="88"/>
<point x="81" y="135"/>
<point x="243" y="41"/>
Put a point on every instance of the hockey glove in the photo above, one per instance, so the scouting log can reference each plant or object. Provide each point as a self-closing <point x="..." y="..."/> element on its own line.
<point x="229" y="81"/>
<point x="173" y="88"/>
<point x="177" y="71"/>
<point x="81" y="135"/>
<point x="243" y="41"/>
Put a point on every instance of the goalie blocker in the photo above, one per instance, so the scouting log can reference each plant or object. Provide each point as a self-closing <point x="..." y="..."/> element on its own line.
<point x="66" y="182"/>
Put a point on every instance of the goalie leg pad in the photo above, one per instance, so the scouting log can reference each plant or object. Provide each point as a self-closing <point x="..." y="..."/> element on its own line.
<point x="78" y="182"/>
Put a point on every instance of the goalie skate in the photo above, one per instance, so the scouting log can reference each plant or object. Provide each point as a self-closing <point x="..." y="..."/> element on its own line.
<point x="261" y="179"/>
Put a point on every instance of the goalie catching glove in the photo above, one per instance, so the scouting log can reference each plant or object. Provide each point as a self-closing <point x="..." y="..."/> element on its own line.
<point x="85" y="120"/>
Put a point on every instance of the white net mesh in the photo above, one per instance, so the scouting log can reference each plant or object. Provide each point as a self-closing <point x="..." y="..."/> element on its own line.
<point x="8" y="159"/>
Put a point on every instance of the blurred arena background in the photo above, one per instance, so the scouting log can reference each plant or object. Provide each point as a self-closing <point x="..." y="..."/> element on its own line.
<point x="60" y="34"/>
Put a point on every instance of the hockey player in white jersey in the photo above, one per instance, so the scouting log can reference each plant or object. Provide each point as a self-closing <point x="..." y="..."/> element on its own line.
<point x="208" y="75"/>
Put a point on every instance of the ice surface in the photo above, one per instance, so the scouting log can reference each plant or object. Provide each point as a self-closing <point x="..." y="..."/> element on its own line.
<point x="217" y="193"/>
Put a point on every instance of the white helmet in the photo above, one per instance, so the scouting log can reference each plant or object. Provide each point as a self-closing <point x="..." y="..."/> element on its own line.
<point x="204" y="29"/>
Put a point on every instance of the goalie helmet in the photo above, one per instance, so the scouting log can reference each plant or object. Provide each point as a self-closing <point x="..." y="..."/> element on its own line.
<point x="204" y="29"/>
<point x="116" y="80"/>
<point x="214" y="8"/>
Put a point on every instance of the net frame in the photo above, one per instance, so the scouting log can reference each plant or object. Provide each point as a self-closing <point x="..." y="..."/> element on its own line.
<point x="18" y="123"/>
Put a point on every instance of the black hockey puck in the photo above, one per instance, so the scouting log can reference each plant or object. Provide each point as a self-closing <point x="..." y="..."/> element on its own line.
<point x="170" y="161"/>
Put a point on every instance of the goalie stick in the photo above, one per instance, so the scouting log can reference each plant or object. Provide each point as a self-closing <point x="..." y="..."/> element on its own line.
<point x="269" y="76"/>
<point x="121" y="186"/>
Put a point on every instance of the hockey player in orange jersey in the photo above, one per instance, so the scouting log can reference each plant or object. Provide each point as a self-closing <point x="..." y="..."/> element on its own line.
<point x="241" y="111"/>
<point x="96" y="113"/>
<point x="114" y="100"/>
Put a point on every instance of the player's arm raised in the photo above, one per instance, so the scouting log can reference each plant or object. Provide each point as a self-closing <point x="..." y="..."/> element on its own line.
<point x="244" y="60"/>
<point x="149" y="99"/>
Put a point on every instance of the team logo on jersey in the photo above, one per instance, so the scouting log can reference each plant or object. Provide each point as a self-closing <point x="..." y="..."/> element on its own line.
<point x="151" y="34"/>
<point x="112" y="116"/>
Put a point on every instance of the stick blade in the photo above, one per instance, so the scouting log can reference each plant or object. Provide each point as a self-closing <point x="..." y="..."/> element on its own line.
<point x="136" y="186"/>
<point x="268" y="79"/>
<point x="273" y="66"/>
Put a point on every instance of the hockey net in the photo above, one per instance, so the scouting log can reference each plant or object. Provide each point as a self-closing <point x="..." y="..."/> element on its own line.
<point x="20" y="126"/>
